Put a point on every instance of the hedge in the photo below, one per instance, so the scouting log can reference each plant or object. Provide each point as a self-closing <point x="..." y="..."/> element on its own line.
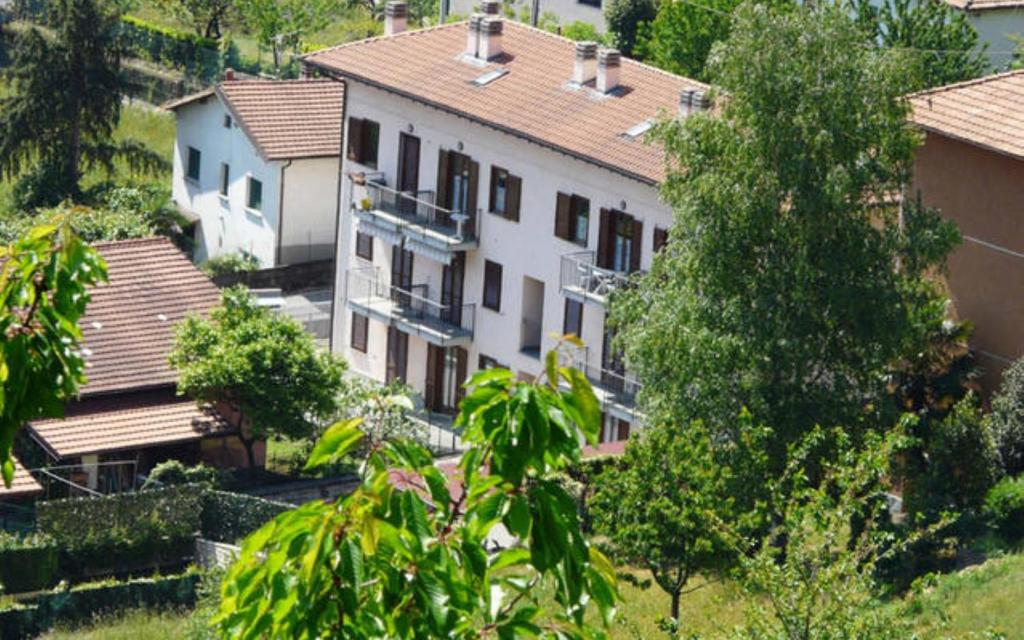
<point x="83" y="602"/>
<point x="27" y="563"/>
<point x="193" y="54"/>
<point x="1004" y="508"/>
<point x="229" y="517"/>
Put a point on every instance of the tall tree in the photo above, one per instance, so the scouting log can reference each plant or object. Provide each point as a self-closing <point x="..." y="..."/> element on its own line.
<point x="206" y="17"/>
<point x="404" y="555"/>
<point x="787" y="285"/>
<point x="680" y="37"/>
<point x="44" y="280"/>
<point x="940" y="37"/>
<point x="281" y="24"/>
<point x="64" y="104"/>
<point x="625" y="19"/>
<point x="262" y="366"/>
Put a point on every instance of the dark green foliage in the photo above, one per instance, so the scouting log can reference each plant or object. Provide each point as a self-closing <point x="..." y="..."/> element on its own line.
<point x="624" y="19"/>
<point x="27" y="563"/>
<point x="940" y="38"/>
<point x="173" y="472"/>
<point x="1004" y="508"/>
<point x="680" y="37"/>
<point x="230" y="263"/>
<point x="82" y="603"/>
<point x="196" y="55"/>
<point x="1008" y="419"/>
<point x="229" y="517"/>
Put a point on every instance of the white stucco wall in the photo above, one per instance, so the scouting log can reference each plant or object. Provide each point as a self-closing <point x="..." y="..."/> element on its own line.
<point x="567" y="11"/>
<point x="525" y="248"/>
<point x="309" y="210"/>
<point x="994" y="27"/>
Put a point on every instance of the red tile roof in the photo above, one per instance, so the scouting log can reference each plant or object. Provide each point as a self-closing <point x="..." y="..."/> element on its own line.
<point x="535" y="100"/>
<point x="987" y="112"/>
<point x="128" y="326"/>
<point x="24" y="484"/>
<point x="136" y="421"/>
<point x="985" y="5"/>
<point x="284" y="119"/>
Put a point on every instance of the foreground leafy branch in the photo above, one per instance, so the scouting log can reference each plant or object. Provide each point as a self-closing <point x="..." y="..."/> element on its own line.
<point x="406" y="554"/>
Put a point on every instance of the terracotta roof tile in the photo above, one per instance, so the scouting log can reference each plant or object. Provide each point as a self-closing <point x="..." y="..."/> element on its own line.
<point x="986" y="112"/>
<point x="128" y="326"/>
<point x="24" y="484"/>
<point x="127" y="422"/>
<point x="985" y="5"/>
<point x="534" y="100"/>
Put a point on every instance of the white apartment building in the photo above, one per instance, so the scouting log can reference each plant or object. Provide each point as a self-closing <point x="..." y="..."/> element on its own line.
<point x="496" y="188"/>
<point x="567" y="11"/>
<point x="256" y="166"/>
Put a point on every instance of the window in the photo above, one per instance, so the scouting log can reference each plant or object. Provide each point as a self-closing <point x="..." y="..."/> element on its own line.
<point x="487" y="362"/>
<point x="192" y="170"/>
<point x="363" y="140"/>
<point x="591" y="3"/>
<point x="573" y="318"/>
<point x="505" y="192"/>
<point x="227" y="121"/>
<point x="364" y="245"/>
<point x="618" y="241"/>
<point x="660" y="238"/>
<point x="492" y="285"/>
<point x="572" y="218"/>
<point x="360" y="332"/>
<point x="254" y="200"/>
<point x="225" y="178"/>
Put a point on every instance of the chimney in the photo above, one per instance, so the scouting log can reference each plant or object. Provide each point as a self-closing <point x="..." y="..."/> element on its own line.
<point x="395" y="16"/>
<point x="586" y="62"/>
<point x="692" y="101"/>
<point x="229" y="74"/>
<point x="608" y="61"/>
<point x="473" y="35"/>
<point x="491" y="7"/>
<point x="490" y="37"/>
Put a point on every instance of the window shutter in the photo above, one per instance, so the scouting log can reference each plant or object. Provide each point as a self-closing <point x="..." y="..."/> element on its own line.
<point x="474" y="180"/>
<point x="638" y="236"/>
<point x="660" y="239"/>
<point x="460" y="373"/>
<point x="435" y="372"/>
<point x="604" y="231"/>
<point x="494" y="184"/>
<point x="514" y="187"/>
<point x="563" y="211"/>
<point x="443" y="169"/>
<point x="355" y="139"/>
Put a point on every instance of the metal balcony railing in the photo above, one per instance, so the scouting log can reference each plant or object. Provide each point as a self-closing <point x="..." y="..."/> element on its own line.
<point x="411" y="307"/>
<point x="581" y="276"/>
<point x="418" y="208"/>
<point x="615" y="388"/>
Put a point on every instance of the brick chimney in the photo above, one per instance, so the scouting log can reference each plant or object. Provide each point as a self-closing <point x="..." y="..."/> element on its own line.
<point x="229" y="74"/>
<point x="473" y="34"/>
<point x="608" y="63"/>
<point x="396" y="14"/>
<point x="491" y="7"/>
<point x="490" y="38"/>
<point x="692" y="101"/>
<point x="586" y="62"/>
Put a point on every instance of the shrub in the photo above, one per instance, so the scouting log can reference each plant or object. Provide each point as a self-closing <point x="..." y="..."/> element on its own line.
<point x="229" y="517"/>
<point x="27" y="563"/>
<point x="624" y="17"/>
<point x="1008" y="419"/>
<point x="173" y="472"/>
<point x="1004" y="509"/>
<point x="230" y="263"/>
<point x="193" y="54"/>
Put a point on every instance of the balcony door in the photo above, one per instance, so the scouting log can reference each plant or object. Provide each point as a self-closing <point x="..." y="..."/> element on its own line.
<point x="613" y="370"/>
<point x="408" y="171"/>
<point x="619" y="241"/>
<point x="398" y="355"/>
<point x="401" y="274"/>
<point x="457" y="178"/>
<point x="452" y="280"/>
<point x="446" y="371"/>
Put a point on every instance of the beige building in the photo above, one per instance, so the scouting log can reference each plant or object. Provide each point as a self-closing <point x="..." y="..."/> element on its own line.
<point x="971" y="167"/>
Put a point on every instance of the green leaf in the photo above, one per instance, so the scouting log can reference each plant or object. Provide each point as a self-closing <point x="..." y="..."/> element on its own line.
<point x="8" y="472"/>
<point x="337" y="441"/>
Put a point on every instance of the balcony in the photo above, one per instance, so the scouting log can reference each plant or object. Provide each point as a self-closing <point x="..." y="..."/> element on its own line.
<point x="409" y="310"/>
<point x="427" y="228"/>
<point x="614" y="390"/>
<point x="582" y="280"/>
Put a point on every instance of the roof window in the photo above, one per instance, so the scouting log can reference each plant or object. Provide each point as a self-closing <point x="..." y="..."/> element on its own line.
<point x="638" y="129"/>
<point x="489" y="77"/>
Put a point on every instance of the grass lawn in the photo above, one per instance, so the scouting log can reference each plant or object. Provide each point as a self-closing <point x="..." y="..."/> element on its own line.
<point x="285" y="456"/>
<point x="133" y="625"/>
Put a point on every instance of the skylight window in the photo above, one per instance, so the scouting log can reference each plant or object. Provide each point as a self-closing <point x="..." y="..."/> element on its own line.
<point x="489" y="77"/>
<point x="638" y="129"/>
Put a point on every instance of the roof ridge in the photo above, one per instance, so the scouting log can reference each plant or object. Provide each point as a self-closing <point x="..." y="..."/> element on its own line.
<point x="965" y="83"/>
<point x="132" y="241"/>
<point x="403" y="34"/>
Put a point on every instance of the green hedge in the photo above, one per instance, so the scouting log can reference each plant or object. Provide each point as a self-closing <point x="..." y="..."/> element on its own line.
<point x="193" y="54"/>
<point x="82" y="603"/>
<point x="229" y="517"/>
<point x="1004" y="508"/>
<point x="27" y="563"/>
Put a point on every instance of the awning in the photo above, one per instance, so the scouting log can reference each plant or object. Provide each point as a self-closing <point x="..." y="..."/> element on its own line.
<point x="387" y="235"/>
<point x="428" y="251"/>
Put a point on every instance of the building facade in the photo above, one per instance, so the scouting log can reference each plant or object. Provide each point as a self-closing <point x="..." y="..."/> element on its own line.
<point x="999" y="24"/>
<point x="256" y="166"/>
<point x="494" y="209"/>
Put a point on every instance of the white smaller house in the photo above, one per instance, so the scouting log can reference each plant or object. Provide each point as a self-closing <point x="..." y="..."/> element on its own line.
<point x="256" y="165"/>
<point x="998" y="23"/>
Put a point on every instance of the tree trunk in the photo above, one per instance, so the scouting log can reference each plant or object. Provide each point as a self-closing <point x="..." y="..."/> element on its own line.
<point x="676" y="597"/>
<point x="249" y="443"/>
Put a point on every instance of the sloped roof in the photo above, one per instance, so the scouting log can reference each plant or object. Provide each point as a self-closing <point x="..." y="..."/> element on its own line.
<point x="128" y="326"/>
<point x="284" y="119"/>
<point x="987" y="112"/>
<point x="985" y="5"/>
<point x="107" y="425"/>
<point x="24" y="484"/>
<point x="535" y="100"/>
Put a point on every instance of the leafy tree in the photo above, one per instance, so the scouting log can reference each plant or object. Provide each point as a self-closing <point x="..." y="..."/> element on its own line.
<point x="680" y="37"/>
<point x="404" y="557"/>
<point x="582" y="31"/>
<point x="659" y="508"/>
<point x="64" y="103"/>
<point x="206" y="17"/>
<point x="281" y="24"/>
<point x="624" y="17"/>
<point x="229" y="263"/>
<point x="940" y="37"/>
<point x="385" y="412"/>
<point x="44" y="281"/>
<point x="820" y="583"/>
<point x="1008" y="419"/>
<point x="262" y="366"/>
<point x="787" y="286"/>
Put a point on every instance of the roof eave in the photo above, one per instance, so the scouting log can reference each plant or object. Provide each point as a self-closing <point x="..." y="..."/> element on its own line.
<point x="973" y="143"/>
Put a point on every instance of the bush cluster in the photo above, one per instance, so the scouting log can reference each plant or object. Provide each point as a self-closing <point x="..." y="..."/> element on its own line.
<point x="1004" y="509"/>
<point x="230" y="263"/>
<point x="173" y="472"/>
<point x="27" y="563"/>
<point x="229" y="517"/>
<point x="193" y="54"/>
